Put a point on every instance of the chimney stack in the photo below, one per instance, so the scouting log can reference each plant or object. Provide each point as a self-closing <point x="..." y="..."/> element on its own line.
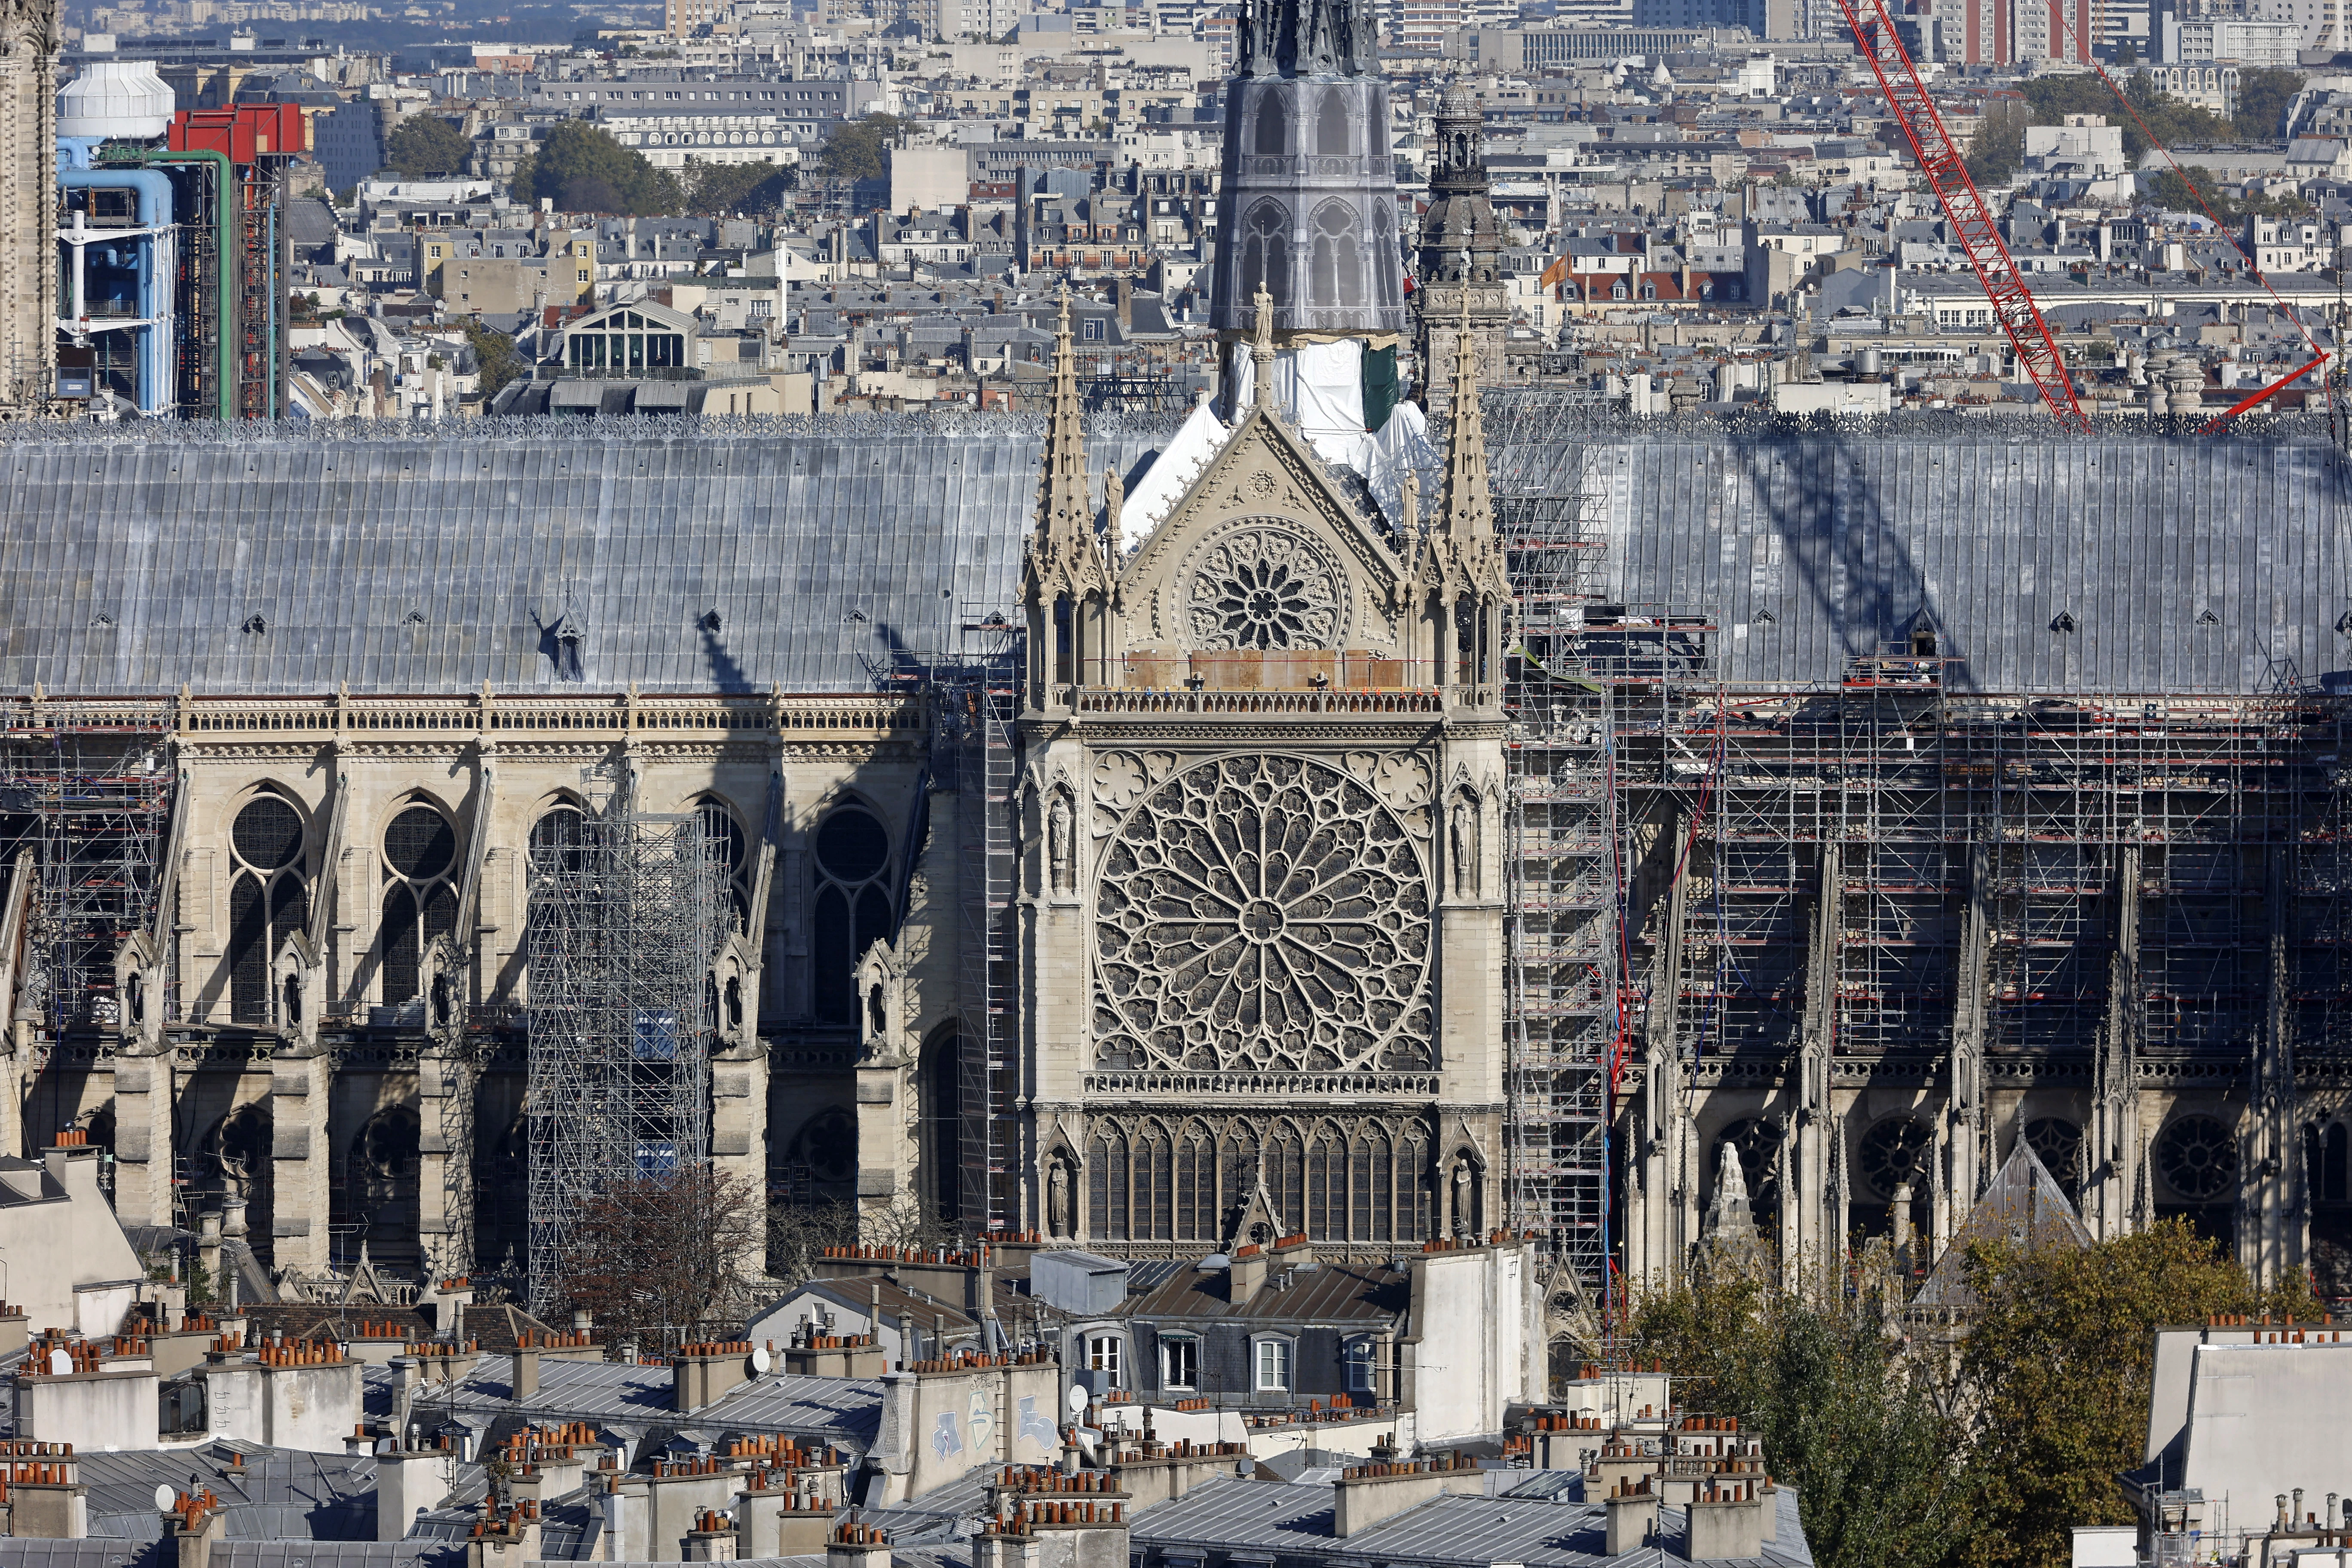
<point x="1245" y="1275"/>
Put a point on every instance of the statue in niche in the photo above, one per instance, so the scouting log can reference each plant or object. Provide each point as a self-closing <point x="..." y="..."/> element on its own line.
<point x="1061" y="843"/>
<point x="1462" y="1196"/>
<point x="1463" y="845"/>
<point x="1058" y="1217"/>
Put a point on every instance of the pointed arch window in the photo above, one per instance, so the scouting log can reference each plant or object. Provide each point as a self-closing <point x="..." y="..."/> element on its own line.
<point x="1266" y="254"/>
<point x="851" y="908"/>
<point x="1154" y="1187"/>
<point x="724" y="842"/>
<point x="1331" y="136"/>
<point x="268" y="898"/>
<point x="1327" y="1187"/>
<point x="2333" y="1176"/>
<point x="1196" y="1187"/>
<point x="1338" y="273"/>
<point x="420" y="849"/>
<point x="1273" y="128"/>
<point x="1106" y="1185"/>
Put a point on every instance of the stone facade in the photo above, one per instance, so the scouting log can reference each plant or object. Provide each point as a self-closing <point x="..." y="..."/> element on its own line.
<point x="29" y="44"/>
<point x="1260" y="873"/>
<point x="332" y="860"/>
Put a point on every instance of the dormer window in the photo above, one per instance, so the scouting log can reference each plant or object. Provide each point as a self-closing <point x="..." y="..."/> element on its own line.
<point x="570" y="663"/>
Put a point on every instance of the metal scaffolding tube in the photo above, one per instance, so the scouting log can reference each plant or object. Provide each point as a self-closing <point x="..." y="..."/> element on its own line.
<point x="87" y="786"/>
<point x="1560" y="984"/>
<point x="626" y="912"/>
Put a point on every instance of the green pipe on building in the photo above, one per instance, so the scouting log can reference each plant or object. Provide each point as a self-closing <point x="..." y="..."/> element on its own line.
<point x="224" y="210"/>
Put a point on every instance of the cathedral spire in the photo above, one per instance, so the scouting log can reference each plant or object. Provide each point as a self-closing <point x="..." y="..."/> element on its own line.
<point x="1062" y="500"/>
<point x="1063" y="558"/>
<point x="1469" y="508"/>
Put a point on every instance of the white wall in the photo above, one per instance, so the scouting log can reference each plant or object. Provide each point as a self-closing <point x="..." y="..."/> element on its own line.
<point x="2265" y="1419"/>
<point x="1478" y="1338"/>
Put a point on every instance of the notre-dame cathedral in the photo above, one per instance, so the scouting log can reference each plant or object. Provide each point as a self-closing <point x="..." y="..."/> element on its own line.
<point x="1113" y="836"/>
<point x="1154" y="837"/>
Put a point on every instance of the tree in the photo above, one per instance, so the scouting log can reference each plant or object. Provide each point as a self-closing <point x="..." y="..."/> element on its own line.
<point x="2196" y="188"/>
<point x="426" y="146"/>
<point x="1998" y="145"/>
<point x="583" y="170"/>
<point x="2056" y="1372"/>
<point x="662" y="1257"/>
<point x="857" y="149"/>
<point x="1845" y="1417"/>
<point x="716" y="188"/>
<point x="495" y="353"/>
<point x="2050" y="98"/>
<point x="2264" y="97"/>
<point x="2126" y="55"/>
<point x="798" y="1233"/>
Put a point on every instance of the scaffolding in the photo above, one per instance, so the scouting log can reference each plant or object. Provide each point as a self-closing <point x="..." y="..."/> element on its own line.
<point x="87" y="787"/>
<point x="1561" y="1014"/>
<point x="975" y="700"/>
<point x="627" y="915"/>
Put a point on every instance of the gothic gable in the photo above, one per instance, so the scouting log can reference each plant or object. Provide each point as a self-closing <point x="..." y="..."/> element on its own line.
<point x="1263" y="554"/>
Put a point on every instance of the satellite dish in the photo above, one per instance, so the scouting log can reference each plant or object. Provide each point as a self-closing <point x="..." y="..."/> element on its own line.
<point x="760" y="1360"/>
<point x="1079" y="1398"/>
<point x="165" y="1496"/>
<point x="60" y="1364"/>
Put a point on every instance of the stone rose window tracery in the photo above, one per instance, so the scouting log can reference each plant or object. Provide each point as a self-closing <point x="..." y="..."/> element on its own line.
<point x="1262" y="913"/>
<point x="1262" y="590"/>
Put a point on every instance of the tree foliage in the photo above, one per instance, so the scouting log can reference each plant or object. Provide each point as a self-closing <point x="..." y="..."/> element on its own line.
<point x="2264" y="95"/>
<point x="495" y="352"/>
<point x="2056" y="1372"/>
<point x="583" y="170"/>
<point x="1845" y="1418"/>
<point x="1919" y="1453"/>
<point x="2194" y="188"/>
<point x="712" y="189"/>
<point x="858" y="149"/>
<point x="425" y="147"/>
<point x="1998" y="145"/>
<point x="663" y="1257"/>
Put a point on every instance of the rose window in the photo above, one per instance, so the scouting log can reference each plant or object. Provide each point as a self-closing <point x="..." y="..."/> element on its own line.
<point x="2199" y="1157"/>
<point x="1262" y="913"/>
<point x="1265" y="589"/>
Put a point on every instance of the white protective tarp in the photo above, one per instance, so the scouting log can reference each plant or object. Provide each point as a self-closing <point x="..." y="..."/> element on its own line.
<point x="1195" y="445"/>
<point x="1319" y="388"/>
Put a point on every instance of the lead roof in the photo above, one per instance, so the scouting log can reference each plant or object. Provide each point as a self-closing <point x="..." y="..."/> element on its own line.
<point x="1257" y="1521"/>
<point x="835" y="549"/>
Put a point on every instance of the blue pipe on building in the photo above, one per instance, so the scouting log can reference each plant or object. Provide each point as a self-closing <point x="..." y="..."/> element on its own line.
<point x="155" y="259"/>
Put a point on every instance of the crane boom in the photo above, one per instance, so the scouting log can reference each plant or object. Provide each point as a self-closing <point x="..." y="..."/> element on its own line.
<point x="1941" y="160"/>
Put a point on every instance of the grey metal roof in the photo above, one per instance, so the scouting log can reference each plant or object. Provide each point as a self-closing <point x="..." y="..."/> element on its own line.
<point x="30" y="1552"/>
<point x="1334" y="1291"/>
<point x="132" y="561"/>
<point x="275" y="1492"/>
<point x="411" y="1553"/>
<point x="843" y="1411"/>
<point x="134" y="565"/>
<point x="901" y="1557"/>
<point x="1259" y="1518"/>
<point x="1992" y="529"/>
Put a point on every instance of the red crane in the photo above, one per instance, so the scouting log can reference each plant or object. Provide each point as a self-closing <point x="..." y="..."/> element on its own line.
<point x="1941" y="160"/>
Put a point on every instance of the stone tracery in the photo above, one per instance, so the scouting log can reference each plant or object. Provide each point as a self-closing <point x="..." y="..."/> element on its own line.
<point x="1263" y="913"/>
<point x="1261" y="589"/>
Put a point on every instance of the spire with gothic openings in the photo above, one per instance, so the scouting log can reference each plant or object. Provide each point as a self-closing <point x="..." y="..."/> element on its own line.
<point x="1063" y="557"/>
